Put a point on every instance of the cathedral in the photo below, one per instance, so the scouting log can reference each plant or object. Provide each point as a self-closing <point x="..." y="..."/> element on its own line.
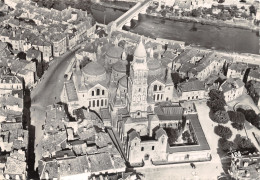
<point x="127" y="93"/>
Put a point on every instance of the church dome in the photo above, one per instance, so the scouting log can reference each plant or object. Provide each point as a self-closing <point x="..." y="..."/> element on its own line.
<point x="140" y="50"/>
<point x="153" y="64"/>
<point x="123" y="82"/>
<point x="120" y="66"/>
<point x="114" y="52"/>
<point x="94" y="69"/>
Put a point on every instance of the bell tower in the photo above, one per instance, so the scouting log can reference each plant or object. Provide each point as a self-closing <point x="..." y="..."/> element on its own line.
<point x="137" y="83"/>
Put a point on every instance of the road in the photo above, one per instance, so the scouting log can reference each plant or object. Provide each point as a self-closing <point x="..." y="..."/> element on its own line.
<point x="46" y="93"/>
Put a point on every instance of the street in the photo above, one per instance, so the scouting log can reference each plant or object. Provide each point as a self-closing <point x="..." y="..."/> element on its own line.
<point x="46" y="93"/>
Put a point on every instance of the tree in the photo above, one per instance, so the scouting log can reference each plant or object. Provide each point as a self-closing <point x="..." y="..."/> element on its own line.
<point x="226" y="145"/>
<point x="215" y="94"/>
<point x="221" y="117"/>
<point x="21" y="55"/>
<point x="163" y="13"/>
<point x="185" y="135"/>
<point x="221" y="1"/>
<point x="223" y="131"/>
<point x="250" y="86"/>
<point x="172" y="134"/>
<point x="250" y="116"/>
<point x="195" y="13"/>
<point x="252" y="10"/>
<point x="237" y="117"/>
<point x="237" y="126"/>
<point x="243" y="142"/>
<point x="216" y="105"/>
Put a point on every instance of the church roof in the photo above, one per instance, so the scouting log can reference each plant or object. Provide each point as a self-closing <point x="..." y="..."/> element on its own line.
<point x="114" y="52"/>
<point x="94" y="69"/>
<point x="133" y="134"/>
<point x="140" y="50"/>
<point x="120" y="66"/>
<point x="123" y="81"/>
<point x="153" y="64"/>
<point x="159" y="133"/>
<point x="71" y="90"/>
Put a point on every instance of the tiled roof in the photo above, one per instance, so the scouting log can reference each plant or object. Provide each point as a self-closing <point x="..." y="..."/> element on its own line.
<point x="105" y="114"/>
<point x="10" y="79"/>
<point x="195" y="85"/>
<point x="100" y="162"/>
<point x="255" y="73"/>
<point x="50" y="142"/>
<point x="50" y="167"/>
<point x="159" y="133"/>
<point x="15" y="166"/>
<point x="73" y="166"/>
<point x="238" y="66"/>
<point x="71" y="90"/>
<point x="230" y="84"/>
<point x="133" y="134"/>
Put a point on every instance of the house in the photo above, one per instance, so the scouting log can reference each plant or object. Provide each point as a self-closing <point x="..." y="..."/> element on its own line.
<point x="15" y="166"/>
<point x="192" y="90"/>
<point x="59" y="44"/>
<point x="245" y="166"/>
<point x="254" y="74"/>
<point x="78" y="148"/>
<point x="33" y="54"/>
<point x="232" y="88"/>
<point x="10" y="82"/>
<point x="237" y="70"/>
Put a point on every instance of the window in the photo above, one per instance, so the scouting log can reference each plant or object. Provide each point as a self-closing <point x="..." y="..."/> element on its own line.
<point x="102" y="102"/>
<point x="197" y="97"/>
<point x="158" y="96"/>
<point x="98" y="92"/>
<point x="188" y="97"/>
<point x="105" y="102"/>
<point x="93" y="93"/>
<point x="160" y="88"/>
<point x="152" y="147"/>
<point x="93" y="103"/>
<point x="139" y="90"/>
<point x="97" y="103"/>
<point x="103" y="92"/>
<point x="161" y="96"/>
<point x="167" y="99"/>
<point x="138" y="113"/>
<point x="83" y="95"/>
<point x="155" y="88"/>
<point x="142" y="148"/>
<point x="146" y="157"/>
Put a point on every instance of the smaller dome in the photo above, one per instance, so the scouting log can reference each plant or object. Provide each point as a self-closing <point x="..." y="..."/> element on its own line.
<point x="114" y="52"/>
<point x="119" y="66"/>
<point x="123" y="81"/>
<point x="93" y="69"/>
<point x="153" y="64"/>
<point x="140" y="50"/>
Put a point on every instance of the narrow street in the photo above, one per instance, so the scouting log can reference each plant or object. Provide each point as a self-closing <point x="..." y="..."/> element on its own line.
<point x="46" y="92"/>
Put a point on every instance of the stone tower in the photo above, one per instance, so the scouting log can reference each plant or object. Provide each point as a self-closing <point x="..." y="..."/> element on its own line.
<point x="137" y="83"/>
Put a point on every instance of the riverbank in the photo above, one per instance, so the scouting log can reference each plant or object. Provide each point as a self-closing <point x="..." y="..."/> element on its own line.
<point x="118" y="5"/>
<point x="203" y="21"/>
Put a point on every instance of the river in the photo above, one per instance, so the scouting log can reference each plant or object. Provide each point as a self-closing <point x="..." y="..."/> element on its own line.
<point x="208" y="36"/>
